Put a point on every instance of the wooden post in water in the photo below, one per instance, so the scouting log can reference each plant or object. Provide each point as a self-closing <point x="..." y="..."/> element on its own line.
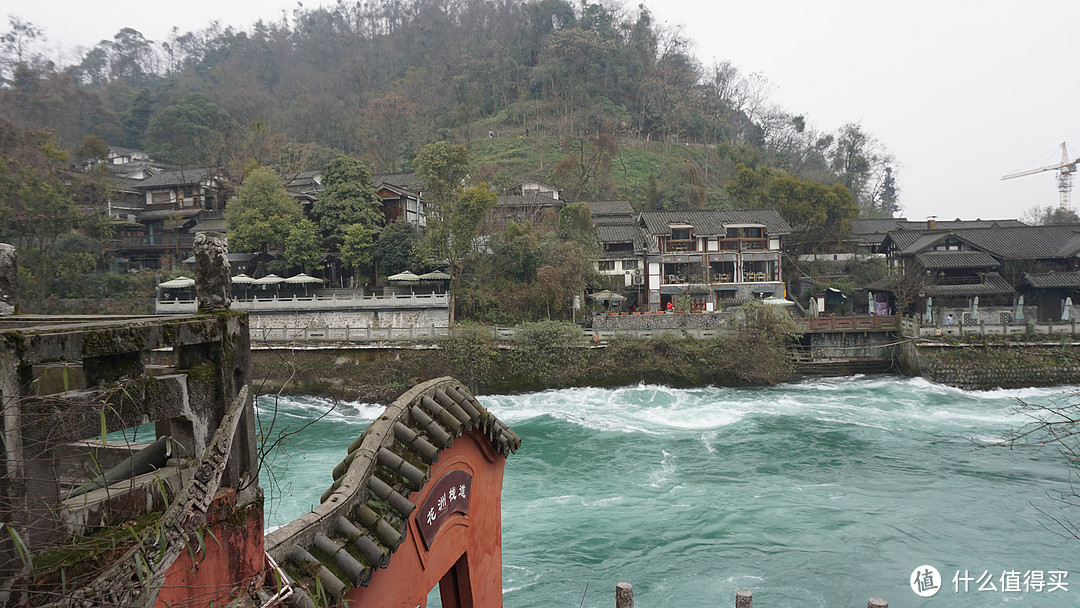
<point x="624" y="595"/>
<point x="744" y="599"/>
<point x="876" y="602"/>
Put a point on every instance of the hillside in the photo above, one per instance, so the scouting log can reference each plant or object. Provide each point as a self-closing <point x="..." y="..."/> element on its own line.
<point x="600" y="88"/>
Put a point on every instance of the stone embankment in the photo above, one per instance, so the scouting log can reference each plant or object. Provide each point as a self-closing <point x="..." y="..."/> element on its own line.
<point x="988" y="365"/>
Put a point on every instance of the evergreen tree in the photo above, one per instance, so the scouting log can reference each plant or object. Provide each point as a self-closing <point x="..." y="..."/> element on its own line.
<point x="136" y="120"/>
<point x="262" y="213"/>
<point x="347" y="198"/>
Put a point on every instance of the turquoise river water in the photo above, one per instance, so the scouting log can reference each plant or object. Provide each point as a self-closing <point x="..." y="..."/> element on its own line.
<point x="820" y="493"/>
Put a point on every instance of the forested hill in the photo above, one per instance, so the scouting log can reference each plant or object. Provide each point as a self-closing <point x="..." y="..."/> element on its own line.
<point x="596" y="97"/>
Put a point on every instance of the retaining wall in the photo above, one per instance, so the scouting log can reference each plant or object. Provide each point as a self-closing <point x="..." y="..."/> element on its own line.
<point x="396" y="319"/>
<point x="993" y="365"/>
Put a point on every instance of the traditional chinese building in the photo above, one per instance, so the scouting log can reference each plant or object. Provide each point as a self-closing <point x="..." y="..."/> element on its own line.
<point x="707" y="258"/>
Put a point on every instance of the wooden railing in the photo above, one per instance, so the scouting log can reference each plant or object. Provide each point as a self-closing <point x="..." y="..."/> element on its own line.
<point x="155" y="241"/>
<point x="850" y="323"/>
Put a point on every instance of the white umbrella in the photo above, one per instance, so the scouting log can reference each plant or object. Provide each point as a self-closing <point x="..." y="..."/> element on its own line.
<point x="607" y="296"/>
<point x="302" y="279"/>
<point x="403" y="277"/>
<point x="930" y="309"/>
<point x="179" y="282"/>
<point x="975" y="310"/>
<point x="1066" y="309"/>
<point x="243" y="279"/>
<point x="1019" y="316"/>
<point x="270" y="279"/>
<point x="435" y="275"/>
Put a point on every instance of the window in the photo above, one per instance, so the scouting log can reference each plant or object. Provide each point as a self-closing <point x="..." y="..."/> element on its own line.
<point x="680" y="234"/>
<point x="605" y="265"/>
<point x="160" y="197"/>
<point x="629" y="264"/>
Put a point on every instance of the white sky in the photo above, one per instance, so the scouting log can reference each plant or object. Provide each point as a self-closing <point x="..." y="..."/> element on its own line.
<point x="961" y="92"/>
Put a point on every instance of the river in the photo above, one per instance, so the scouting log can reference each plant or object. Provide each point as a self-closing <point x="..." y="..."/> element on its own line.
<point x="820" y="493"/>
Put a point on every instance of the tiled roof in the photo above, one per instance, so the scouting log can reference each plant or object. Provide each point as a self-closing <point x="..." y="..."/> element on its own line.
<point x="621" y="233"/>
<point x="1006" y="242"/>
<point x="362" y="518"/>
<point x="408" y="180"/>
<point x="176" y="178"/>
<point x="713" y="223"/>
<point x="533" y="199"/>
<point x="1053" y="280"/>
<point x="880" y="226"/>
<point x="993" y="283"/>
<point x="621" y="208"/>
<point x="935" y="260"/>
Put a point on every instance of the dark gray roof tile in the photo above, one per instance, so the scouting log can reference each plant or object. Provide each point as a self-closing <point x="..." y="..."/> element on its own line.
<point x="362" y="518"/>
<point x="992" y="284"/>
<point x="1053" y="280"/>
<point x="713" y="223"/>
<point x="936" y="260"/>
<point x="617" y="208"/>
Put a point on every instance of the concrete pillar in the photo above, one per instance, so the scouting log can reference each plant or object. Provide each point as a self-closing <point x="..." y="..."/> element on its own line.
<point x="744" y="599"/>
<point x="877" y="603"/>
<point x="213" y="278"/>
<point x="9" y="279"/>
<point x="624" y="595"/>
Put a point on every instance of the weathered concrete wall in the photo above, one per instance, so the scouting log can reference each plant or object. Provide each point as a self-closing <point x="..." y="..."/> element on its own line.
<point x="845" y="346"/>
<point x="993" y="365"/>
<point x="397" y="319"/>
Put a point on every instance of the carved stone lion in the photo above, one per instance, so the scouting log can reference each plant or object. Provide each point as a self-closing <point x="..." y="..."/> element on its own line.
<point x="213" y="277"/>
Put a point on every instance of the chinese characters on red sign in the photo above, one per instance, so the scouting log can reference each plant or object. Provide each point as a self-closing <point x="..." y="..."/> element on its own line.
<point x="449" y="495"/>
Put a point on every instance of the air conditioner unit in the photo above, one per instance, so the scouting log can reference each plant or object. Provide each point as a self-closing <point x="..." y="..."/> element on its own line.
<point x="638" y="278"/>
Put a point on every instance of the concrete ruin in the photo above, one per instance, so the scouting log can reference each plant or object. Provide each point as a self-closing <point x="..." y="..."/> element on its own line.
<point x="92" y="518"/>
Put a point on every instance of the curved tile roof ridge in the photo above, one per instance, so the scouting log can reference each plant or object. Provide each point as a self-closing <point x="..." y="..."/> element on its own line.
<point x="362" y="518"/>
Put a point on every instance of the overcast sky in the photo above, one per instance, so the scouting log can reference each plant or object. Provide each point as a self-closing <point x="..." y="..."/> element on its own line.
<point x="961" y="92"/>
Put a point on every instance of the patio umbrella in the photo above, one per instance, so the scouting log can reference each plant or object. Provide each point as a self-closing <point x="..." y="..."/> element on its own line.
<point x="270" y="279"/>
<point x="435" y="275"/>
<point x="930" y="309"/>
<point x="302" y="279"/>
<point x="243" y="279"/>
<point x="1066" y="309"/>
<point x="607" y="296"/>
<point x="1019" y="316"/>
<point x="870" y="308"/>
<point x="403" y="277"/>
<point x="975" y="310"/>
<point x="179" y="282"/>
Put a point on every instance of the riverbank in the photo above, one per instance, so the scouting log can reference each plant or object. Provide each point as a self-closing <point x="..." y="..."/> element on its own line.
<point x="544" y="356"/>
<point x="988" y="363"/>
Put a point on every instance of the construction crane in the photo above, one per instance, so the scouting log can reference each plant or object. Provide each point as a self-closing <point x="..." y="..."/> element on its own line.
<point x="1065" y="175"/>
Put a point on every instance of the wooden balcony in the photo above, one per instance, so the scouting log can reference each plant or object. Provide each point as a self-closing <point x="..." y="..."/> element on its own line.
<point x="154" y="241"/>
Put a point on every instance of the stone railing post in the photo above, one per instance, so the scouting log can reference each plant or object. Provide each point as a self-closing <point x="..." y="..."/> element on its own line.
<point x="9" y="279"/>
<point x="744" y="599"/>
<point x="624" y="595"/>
<point x="213" y="277"/>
